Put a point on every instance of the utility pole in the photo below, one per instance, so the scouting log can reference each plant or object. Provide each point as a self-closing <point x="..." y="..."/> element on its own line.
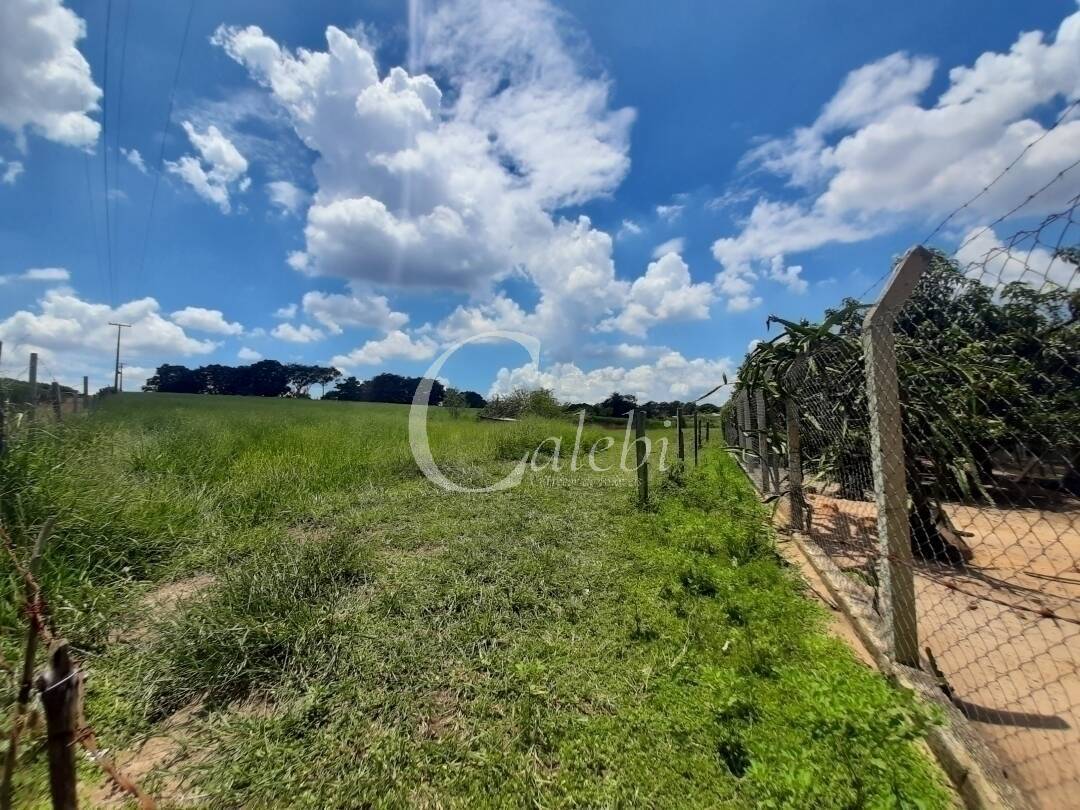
<point x="116" y="372"/>
<point x="121" y="386"/>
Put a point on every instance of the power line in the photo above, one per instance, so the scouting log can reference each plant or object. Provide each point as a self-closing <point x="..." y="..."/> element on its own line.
<point x="93" y="224"/>
<point x="118" y="129"/>
<point x="105" y="149"/>
<point x="164" y="133"/>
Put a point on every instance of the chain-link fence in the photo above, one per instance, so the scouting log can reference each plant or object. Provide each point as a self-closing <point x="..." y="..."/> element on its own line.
<point x="930" y="447"/>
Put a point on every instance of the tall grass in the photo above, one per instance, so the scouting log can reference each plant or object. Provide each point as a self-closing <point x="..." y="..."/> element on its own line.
<point x="549" y="645"/>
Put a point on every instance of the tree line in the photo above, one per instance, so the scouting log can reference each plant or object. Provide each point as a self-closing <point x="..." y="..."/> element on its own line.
<point x="983" y="370"/>
<point x="542" y="402"/>
<point x="269" y="378"/>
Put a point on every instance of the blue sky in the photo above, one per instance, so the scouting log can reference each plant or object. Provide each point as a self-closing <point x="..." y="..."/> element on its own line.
<point x="638" y="185"/>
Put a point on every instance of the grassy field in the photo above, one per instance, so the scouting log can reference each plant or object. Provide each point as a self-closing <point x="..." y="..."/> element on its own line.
<point x="271" y="599"/>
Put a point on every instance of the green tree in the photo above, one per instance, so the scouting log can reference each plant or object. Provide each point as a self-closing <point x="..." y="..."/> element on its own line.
<point x="348" y="389"/>
<point x="454" y="401"/>
<point x="980" y="370"/>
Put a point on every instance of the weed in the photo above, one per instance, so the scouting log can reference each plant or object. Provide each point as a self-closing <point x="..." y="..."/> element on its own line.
<point x="548" y="645"/>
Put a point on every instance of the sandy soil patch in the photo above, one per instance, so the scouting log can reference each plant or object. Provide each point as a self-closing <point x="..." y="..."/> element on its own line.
<point x="1005" y="628"/>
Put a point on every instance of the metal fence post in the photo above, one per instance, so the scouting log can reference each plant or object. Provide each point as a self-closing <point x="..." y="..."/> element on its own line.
<point x="896" y="574"/>
<point x="762" y="440"/>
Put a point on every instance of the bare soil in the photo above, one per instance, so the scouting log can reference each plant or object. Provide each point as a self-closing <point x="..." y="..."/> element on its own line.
<point x="160" y="602"/>
<point x="1004" y="628"/>
<point x="152" y="763"/>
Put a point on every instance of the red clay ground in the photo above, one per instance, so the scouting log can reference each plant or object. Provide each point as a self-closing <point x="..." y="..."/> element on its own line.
<point x="1005" y="629"/>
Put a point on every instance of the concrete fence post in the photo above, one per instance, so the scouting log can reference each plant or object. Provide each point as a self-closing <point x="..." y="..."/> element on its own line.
<point x="740" y="419"/>
<point x="896" y="574"/>
<point x="32" y="380"/>
<point x="762" y="440"/>
<point x="794" y="467"/>
<point x="696" y="442"/>
<point x="678" y="430"/>
<point x="642" y="459"/>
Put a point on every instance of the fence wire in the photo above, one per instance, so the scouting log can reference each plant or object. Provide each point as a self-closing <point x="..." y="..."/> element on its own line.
<point x="987" y="351"/>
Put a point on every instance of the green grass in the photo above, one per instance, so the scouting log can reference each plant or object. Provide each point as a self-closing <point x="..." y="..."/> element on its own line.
<point x="370" y="640"/>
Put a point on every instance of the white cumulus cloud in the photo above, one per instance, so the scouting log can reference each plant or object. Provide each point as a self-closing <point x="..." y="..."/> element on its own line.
<point x="134" y="158"/>
<point x="206" y="320"/>
<point x="676" y="245"/>
<point x="396" y="345"/>
<point x="670" y="213"/>
<point x="297" y="334"/>
<point x="11" y="169"/>
<point x="287" y="196"/>
<point x="664" y="293"/>
<point x="879" y="156"/>
<point x="45" y="82"/>
<point x="984" y="256"/>
<point x="336" y="312"/>
<point x="217" y="172"/>
<point x="73" y="336"/>
<point x="788" y="275"/>
<point x="455" y="190"/>
<point x="671" y="376"/>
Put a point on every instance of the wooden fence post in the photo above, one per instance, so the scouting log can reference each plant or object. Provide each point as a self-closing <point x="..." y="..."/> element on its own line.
<point x="896" y="574"/>
<point x="762" y="440"/>
<point x="794" y="467"/>
<point x="642" y="459"/>
<point x="57" y="403"/>
<point x="707" y="426"/>
<point x="59" y="689"/>
<point x="26" y="682"/>
<point x="86" y="392"/>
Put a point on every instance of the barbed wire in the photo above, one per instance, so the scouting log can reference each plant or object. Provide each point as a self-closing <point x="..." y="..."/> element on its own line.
<point x="1065" y="114"/>
<point x="988" y="376"/>
<point x="967" y="203"/>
